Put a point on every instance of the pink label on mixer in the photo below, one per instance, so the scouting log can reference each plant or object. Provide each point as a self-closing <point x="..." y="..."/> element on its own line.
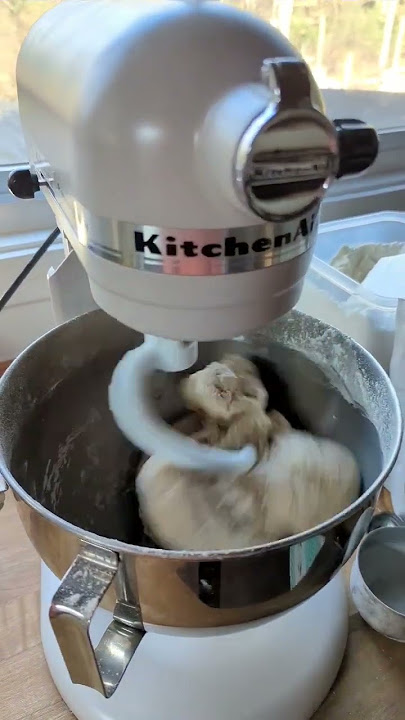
<point x="201" y="249"/>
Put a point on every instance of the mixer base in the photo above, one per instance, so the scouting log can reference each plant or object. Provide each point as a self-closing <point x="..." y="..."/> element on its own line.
<point x="281" y="669"/>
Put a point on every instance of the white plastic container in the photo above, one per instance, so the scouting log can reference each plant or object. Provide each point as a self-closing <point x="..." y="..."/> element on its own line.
<point x="391" y="270"/>
<point x="338" y="300"/>
<point x="382" y="228"/>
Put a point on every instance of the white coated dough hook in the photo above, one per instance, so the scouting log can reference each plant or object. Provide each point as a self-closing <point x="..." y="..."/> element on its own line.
<point x="134" y="415"/>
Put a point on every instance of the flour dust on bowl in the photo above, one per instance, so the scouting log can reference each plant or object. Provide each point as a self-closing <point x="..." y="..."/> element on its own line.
<point x="183" y="619"/>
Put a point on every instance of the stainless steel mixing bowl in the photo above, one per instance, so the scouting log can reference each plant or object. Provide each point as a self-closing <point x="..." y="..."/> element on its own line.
<point x="72" y="473"/>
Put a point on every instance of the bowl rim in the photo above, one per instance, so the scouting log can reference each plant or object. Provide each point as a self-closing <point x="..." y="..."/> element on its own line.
<point x="193" y="555"/>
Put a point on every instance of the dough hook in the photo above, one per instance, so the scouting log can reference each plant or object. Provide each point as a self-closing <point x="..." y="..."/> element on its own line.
<point x="134" y="414"/>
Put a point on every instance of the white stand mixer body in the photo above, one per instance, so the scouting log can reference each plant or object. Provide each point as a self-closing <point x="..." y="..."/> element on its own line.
<point x="139" y="160"/>
<point x="280" y="669"/>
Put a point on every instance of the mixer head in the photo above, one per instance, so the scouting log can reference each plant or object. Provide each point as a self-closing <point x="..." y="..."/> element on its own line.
<point x="185" y="152"/>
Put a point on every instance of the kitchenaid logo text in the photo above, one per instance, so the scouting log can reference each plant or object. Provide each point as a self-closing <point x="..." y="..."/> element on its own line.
<point x="232" y="246"/>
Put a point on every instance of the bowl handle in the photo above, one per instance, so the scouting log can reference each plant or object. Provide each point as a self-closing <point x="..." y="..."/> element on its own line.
<point x="72" y="608"/>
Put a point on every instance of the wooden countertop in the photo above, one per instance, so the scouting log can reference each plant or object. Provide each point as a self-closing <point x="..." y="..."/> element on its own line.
<point x="370" y="684"/>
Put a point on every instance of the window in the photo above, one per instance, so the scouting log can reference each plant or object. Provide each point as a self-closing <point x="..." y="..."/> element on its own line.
<point x="16" y="18"/>
<point x="23" y="225"/>
<point x="356" y="49"/>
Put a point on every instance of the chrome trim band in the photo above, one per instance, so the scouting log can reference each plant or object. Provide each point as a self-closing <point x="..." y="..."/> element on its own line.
<point x="196" y="252"/>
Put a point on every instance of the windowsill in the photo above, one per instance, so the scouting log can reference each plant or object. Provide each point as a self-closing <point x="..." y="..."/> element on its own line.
<point x="383" y="110"/>
<point x="388" y="193"/>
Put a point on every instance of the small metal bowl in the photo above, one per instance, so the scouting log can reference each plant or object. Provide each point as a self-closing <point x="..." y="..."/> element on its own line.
<point x="377" y="581"/>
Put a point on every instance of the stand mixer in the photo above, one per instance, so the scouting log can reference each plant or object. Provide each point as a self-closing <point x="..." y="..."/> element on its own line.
<point x="184" y="150"/>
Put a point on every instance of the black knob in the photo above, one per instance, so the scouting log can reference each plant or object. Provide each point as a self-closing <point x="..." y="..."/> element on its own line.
<point x="23" y="184"/>
<point x="358" y="146"/>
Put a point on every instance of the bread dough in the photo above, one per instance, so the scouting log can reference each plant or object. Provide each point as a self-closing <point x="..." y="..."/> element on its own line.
<point x="302" y="482"/>
<point x="357" y="262"/>
<point x="299" y="482"/>
<point x="224" y="390"/>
